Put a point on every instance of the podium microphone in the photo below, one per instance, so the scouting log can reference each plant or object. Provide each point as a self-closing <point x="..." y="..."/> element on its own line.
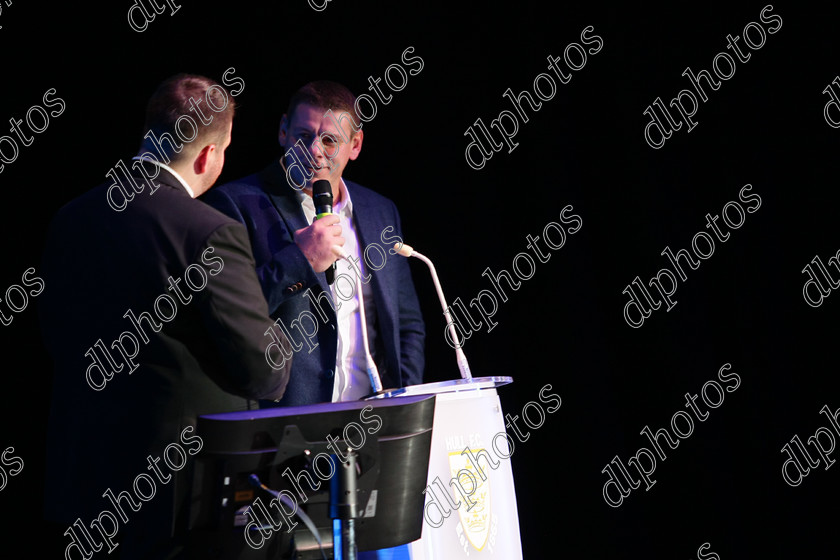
<point x="463" y="366"/>
<point x="323" y="199"/>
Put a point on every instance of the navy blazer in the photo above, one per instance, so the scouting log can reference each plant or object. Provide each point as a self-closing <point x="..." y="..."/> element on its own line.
<point x="269" y="208"/>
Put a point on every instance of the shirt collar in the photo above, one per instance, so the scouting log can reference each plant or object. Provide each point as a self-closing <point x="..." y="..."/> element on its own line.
<point x="346" y="204"/>
<point x="346" y="201"/>
<point x="172" y="171"/>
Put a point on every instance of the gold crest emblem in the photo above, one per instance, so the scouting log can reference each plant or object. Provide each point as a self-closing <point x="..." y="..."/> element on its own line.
<point x="476" y="521"/>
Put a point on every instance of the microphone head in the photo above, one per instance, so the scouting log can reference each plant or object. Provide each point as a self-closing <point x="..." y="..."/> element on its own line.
<point x="322" y="188"/>
<point x="403" y="249"/>
<point x="322" y="193"/>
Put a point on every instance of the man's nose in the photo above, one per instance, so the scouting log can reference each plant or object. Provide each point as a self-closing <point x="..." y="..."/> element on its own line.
<point x="315" y="148"/>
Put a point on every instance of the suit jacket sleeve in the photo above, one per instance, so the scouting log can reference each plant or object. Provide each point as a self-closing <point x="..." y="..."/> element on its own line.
<point x="285" y="272"/>
<point x="236" y="318"/>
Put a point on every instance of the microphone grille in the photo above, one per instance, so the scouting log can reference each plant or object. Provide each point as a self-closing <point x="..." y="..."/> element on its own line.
<point x="322" y="192"/>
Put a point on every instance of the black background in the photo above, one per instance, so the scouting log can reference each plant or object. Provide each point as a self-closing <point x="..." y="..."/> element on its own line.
<point x="744" y="306"/>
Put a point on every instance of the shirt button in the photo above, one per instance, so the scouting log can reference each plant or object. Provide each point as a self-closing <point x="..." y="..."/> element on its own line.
<point x="329" y="373"/>
<point x="332" y="326"/>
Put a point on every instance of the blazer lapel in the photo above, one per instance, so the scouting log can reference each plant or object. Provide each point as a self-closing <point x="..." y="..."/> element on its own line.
<point x="369" y="229"/>
<point x="284" y="199"/>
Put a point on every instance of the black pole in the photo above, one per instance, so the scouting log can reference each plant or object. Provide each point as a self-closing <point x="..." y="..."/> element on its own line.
<point x="343" y="505"/>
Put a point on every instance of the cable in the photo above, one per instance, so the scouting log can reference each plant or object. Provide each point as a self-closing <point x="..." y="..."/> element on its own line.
<point x="255" y="480"/>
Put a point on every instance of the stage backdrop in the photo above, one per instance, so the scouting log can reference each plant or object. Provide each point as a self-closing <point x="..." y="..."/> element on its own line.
<point x="659" y="186"/>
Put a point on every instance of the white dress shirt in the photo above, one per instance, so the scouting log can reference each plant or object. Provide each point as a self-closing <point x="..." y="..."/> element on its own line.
<point x="351" y="378"/>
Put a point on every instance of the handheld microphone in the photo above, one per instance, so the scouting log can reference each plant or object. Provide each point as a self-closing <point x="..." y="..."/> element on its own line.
<point x="323" y="199"/>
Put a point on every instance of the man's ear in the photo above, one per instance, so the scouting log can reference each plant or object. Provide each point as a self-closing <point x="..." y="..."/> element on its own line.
<point x="356" y="144"/>
<point x="284" y="130"/>
<point x="201" y="161"/>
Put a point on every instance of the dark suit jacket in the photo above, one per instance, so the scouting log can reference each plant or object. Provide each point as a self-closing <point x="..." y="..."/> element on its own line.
<point x="268" y="207"/>
<point x="99" y="263"/>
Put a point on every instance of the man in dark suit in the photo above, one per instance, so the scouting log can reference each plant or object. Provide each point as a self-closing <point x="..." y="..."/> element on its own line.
<point x="319" y="134"/>
<point x="153" y="316"/>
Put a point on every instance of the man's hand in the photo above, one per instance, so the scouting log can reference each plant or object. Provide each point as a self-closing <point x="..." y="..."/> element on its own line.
<point x="316" y="242"/>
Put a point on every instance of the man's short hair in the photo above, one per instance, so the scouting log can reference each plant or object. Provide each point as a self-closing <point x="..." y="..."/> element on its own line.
<point x="172" y="100"/>
<point x="325" y="95"/>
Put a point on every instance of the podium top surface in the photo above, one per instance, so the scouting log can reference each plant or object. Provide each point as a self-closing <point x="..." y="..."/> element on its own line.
<point x="449" y="386"/>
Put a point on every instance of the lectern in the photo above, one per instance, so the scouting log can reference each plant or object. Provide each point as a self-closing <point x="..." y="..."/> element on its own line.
<point x="470" y="509"/>
<point x="470" y="502"/>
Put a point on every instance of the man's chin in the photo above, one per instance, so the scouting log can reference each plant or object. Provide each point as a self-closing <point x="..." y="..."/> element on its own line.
<point x="306" y="182"/>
